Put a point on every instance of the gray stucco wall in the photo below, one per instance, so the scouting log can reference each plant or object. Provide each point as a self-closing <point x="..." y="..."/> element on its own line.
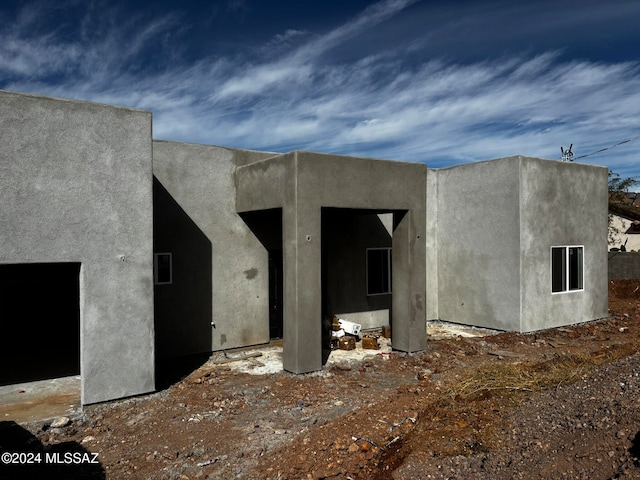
<point x="75" y="186"/>
<point x="352" y="182"/>
<point x="431" y="244"/>
<point x="200" y="179"/>
<point x="562" y="204"/>
<point x="267" y="184"/>
<point x="478" y="247"/>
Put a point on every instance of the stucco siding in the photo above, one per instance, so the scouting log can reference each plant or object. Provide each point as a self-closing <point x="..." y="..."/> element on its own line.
<point x="75" y="186"/>
<point x="478" y="244"/>
<point x="200" y="178"/>
<point x="563" y="204"/>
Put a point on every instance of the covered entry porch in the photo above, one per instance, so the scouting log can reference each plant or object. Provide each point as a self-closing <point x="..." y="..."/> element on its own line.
<point x="303" y="185"/>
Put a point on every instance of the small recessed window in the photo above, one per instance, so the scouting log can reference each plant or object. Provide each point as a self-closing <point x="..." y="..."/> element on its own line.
<point x="162" y="269"/>
<point x="567" y="266"/>
<point x="378" y="271"/>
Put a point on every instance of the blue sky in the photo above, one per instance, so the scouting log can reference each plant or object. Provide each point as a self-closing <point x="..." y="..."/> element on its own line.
<point x="437" y="81"/>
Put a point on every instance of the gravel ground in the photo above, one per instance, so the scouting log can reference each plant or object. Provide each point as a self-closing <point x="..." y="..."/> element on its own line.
<point x="586" y="430"/>
<point x="562" y="403"/>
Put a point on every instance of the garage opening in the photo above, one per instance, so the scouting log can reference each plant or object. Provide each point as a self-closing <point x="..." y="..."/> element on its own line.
<point x="39" y="321"/>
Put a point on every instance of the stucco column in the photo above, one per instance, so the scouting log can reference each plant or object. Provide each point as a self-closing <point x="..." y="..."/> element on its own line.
<point x="301" y="229"/>
<point x="409" y="327"/>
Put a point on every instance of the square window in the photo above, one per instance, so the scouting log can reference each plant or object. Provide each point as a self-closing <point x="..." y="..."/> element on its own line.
<point x="162" y="269"/>
<point x="567" y="265"/>
<point x="378" y="271"/>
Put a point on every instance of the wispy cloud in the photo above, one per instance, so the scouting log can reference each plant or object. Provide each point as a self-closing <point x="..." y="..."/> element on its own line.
<point x="385" y="105"/>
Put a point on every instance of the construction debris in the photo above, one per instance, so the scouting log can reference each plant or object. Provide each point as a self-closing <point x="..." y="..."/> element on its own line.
<point x="347" y="343"/>
<point x="246" y="356"/>
<point x="370" y="343"/>
<point x="350" y="327"/>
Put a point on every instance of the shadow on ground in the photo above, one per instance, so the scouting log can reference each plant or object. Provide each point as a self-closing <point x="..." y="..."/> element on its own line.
<point x="24" y="456"/>
<point x="170" y="371"/>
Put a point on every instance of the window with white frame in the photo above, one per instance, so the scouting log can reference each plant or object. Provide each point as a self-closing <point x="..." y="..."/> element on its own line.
<point x="378" y="271"/>
<point x="567" y="267"/>
<point x="162" y="268"/>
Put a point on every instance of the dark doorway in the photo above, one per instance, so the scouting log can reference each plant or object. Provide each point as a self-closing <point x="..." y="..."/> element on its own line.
<point x="275" y="294"/>
<point x="40" y="321"/>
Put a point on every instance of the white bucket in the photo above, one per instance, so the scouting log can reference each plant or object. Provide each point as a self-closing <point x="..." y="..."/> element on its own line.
<point x="350" y="327"/>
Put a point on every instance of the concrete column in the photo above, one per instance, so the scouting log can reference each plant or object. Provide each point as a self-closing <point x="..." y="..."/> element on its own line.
<point x="409" y="328"/>
<point x="301" y="230"/>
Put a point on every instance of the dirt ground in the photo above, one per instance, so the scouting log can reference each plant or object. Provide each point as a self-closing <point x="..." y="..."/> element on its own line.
<point x="562" y="403"/>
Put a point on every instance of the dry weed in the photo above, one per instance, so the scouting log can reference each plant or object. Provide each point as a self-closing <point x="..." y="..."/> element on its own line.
<point x="534" y="376"/>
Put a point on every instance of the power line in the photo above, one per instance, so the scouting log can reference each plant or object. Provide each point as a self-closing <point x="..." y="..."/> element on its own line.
<point x="607" y="148"/>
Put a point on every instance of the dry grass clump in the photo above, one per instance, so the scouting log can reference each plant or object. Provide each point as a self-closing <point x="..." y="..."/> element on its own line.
<point x="535" y="376"/>
<point x="465" y="417"/>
